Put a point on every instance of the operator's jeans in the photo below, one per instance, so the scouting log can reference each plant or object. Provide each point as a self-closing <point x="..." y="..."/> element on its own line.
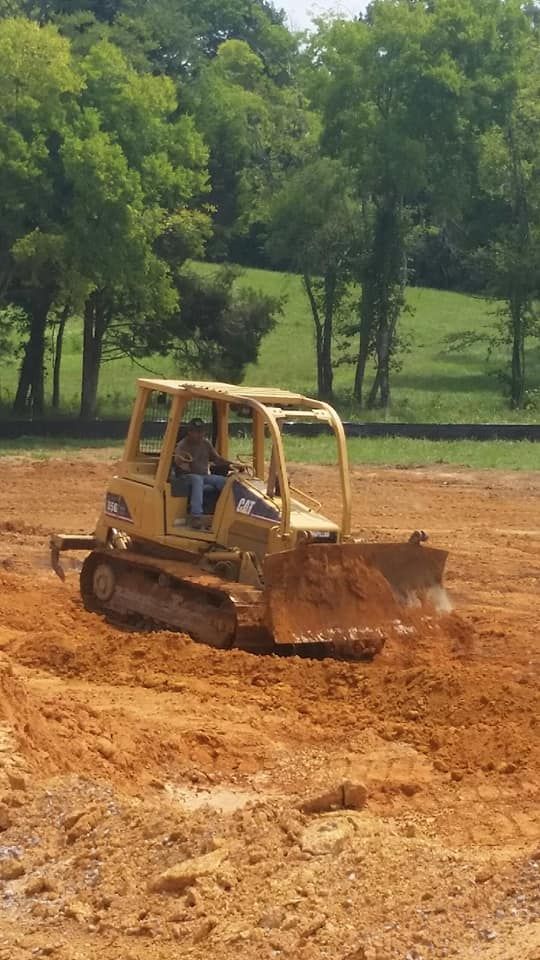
<point x="198" y="483"/>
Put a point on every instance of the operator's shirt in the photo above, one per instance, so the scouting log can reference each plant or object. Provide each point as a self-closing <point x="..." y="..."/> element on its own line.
<point x="202" y="453"/>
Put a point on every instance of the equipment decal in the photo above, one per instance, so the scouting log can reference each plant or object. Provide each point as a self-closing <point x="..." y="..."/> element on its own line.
<point x="249" y="504"/>
<point x="116" y="506"/>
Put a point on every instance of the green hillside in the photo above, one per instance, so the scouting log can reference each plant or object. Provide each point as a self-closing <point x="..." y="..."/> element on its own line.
<point x="435" y="384"/>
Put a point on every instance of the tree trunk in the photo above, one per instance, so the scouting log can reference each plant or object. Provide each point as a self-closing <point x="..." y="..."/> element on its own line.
<point x="383" y="368"/>
<point x="517" y="388"/>
<point x="326" y="386"/>
<point x="308" y="284"/>
<point x="22" y="396"/>
<point x="366" y="323"/>
<point x="374" y="392"/>
<point x="380" y="391"/>
<point x="384" y="296"/>
<point x="59" y="343"/>
<point x="93" y="333"/>
<point x="31" y="386"/>
<point x="520" y="296"/>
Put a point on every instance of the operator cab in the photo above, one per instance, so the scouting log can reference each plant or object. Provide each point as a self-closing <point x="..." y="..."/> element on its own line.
<point x="244" y="495"/>
<point x="255" y="510"/>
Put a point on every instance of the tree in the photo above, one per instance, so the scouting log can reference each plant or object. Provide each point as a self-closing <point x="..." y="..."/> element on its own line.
<point x="257" y="132"/>
<point x="313" y="230"/>
<point x="510" y="176"/>
<point x="38" y="90"/>
<point x="404" y="92"/>
<point x="98" y="167"/>
<point x="220" y="326"/>
<point x="216" y="331"/>
<point x="166" y="36"/>
<point x="136" y="173"/>
<point x="38" y="257"/>
<point x="499" y="226"/>
<point x="379" y="92"/>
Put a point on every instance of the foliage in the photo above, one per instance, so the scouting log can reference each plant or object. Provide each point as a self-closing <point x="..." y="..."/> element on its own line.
<point x="257" y="132"/>
<point x="402" y="145"/>
<point x="510" y="174"/>
<point x="314" y="222"/>
<point x="434" y="384"/>
<point x="219" y="328"/>
<point x="405" y="93"/>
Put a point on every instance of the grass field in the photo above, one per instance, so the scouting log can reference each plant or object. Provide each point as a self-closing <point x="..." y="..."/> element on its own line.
<point x="499" y="454"/>
<point x="435" y="384"/>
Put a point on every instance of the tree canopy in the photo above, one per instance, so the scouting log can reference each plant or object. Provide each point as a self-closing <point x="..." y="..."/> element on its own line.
<point x="398" y="146"/>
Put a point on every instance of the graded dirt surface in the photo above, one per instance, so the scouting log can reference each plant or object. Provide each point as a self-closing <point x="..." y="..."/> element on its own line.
<point x="160" y="799"/>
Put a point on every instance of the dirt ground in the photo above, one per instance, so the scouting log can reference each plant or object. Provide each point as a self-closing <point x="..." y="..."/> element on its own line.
<point x="160" y="799"/>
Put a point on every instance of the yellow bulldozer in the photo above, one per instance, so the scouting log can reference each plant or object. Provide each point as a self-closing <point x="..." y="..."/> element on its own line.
<point x="267" y="571"/>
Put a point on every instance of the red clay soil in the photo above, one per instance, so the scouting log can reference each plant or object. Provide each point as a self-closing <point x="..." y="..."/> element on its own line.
<point x="161" y="799"/>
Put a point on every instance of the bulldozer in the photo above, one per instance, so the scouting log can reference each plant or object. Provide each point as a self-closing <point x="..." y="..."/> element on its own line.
<point x="267" y="572"/>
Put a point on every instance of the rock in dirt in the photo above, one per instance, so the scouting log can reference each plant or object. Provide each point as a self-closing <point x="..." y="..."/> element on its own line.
<point x="507" y="767"/>
<point x="81" y="823"/>
<point x="183" y="875"/>
<point x="331" y="799"/>
<point x="13" y="799"/>
<point x="440" y="765"/>
<point x="194" y="899"/>
<point x="354" y="795"/>
<point x="5" y="817"/>
<point x="11" y="869"/>
<point x="273" y="919"/>
<point x="48" y="950"/>
<point x="203" y="931"/>
<point x="316" y="924"/>
<point x="483" y="875"/>
<point x="105" y="748"/>
<point x="325" y="837"/>
<point x="409" y="789"/>
<point x="79" y="911"/>
<point x="17" y="780"/>
<point x="347" y="795"/>
<point x="39" y="884"/>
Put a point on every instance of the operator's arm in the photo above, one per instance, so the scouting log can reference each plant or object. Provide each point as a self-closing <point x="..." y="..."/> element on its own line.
<point x="182" y="459"/>
<point x="215" y="457"/>
<point x="219" y="461"/>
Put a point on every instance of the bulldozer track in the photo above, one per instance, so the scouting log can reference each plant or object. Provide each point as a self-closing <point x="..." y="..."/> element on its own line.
<point x="147" y="592"/>
<point x="152" y="593"/>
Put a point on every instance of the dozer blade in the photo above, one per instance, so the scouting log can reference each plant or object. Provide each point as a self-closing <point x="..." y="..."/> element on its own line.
<point x="347" y="595"/>
<point x="415" y="573"/>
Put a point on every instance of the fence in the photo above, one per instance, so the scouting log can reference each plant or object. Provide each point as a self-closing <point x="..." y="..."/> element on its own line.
<point x="63" y="428"/>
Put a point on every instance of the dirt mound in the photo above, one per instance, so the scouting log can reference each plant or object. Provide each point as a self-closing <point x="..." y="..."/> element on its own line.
<point x="165" y="797"/>
<point x="23" y="726"/>
<point x="425" y="689"/>
<point x="45" y="732"/>
<point x="110" y="877"/>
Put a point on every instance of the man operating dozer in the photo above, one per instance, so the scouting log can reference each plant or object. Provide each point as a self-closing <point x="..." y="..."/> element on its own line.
<point x="192" y="457"/>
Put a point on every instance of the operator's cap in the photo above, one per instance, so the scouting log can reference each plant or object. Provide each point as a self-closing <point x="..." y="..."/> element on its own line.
<point x="196" y="424"/>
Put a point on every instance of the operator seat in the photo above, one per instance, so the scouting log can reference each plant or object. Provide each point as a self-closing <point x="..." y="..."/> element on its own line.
<point x="181" y="487"/>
